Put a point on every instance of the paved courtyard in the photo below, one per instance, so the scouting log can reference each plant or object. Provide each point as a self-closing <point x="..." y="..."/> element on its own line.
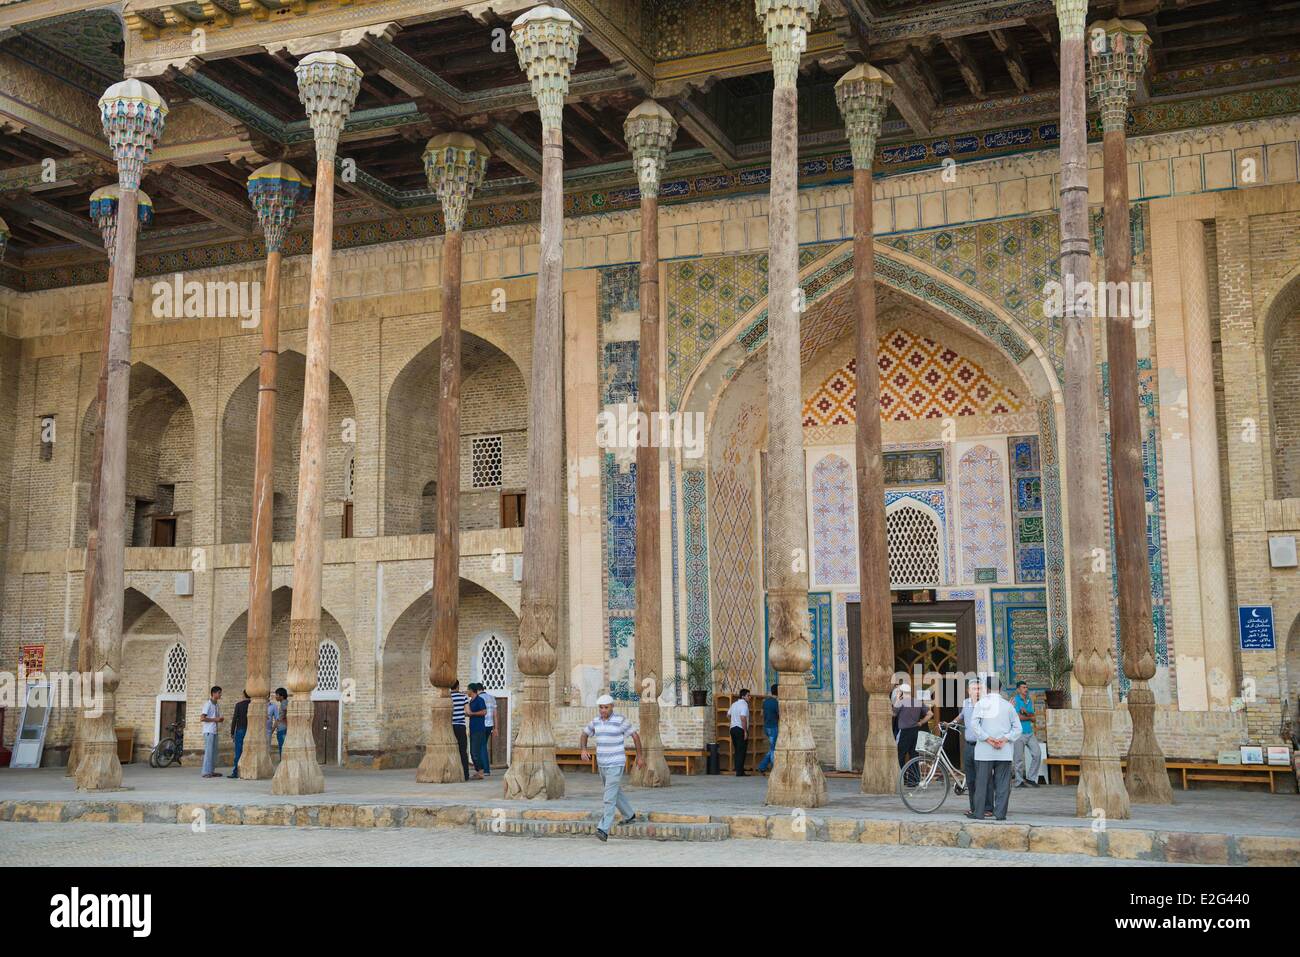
<point x="1238" y="812"/>
<point x="130" y="845"/>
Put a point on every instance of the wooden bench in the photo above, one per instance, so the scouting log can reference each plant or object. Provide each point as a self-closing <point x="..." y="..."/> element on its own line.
<point x="682" y="761"/>
<point x="1189" y="771"/>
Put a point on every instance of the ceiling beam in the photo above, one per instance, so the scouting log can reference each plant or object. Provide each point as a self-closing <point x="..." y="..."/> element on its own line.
<point x="1013" y="58"/>
<point x="705" y="131"/>
<point x="193" y="193"/>
<point x="78" y="229"/>
<point x="959" y="50"/>
<point x="916" y="93"/>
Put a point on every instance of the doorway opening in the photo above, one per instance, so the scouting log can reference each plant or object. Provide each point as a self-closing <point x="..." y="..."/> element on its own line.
<point x="934" y="646"/>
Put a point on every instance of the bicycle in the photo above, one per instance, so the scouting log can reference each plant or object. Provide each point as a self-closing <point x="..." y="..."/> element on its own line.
<point x="168" y="750"/>
<point x="931" y="774"/>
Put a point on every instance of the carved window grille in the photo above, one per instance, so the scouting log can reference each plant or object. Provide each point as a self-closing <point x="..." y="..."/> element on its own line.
<point x="485" y="461"/>
<point x="327" y="666"/>
<point x="177" y="665"/>
<point x="492" y="663"/>
<point x="913" y="547"/>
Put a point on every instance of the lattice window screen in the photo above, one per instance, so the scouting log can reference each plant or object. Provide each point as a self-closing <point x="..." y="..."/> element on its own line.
<point x="485" y="459"/>
<point x="327" y="666"/>
<point x="177" y="665"/>
<point x="492" y="663"/>
<point x="913" y="547"/>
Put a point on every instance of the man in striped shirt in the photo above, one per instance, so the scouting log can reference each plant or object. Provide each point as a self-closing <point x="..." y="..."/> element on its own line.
<point x="458" y="702"/>
<point x="610" y="731"/>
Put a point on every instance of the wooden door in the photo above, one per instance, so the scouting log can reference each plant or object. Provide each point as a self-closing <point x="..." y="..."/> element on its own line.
<point x="857" y="694"/>
<point x="499" y="748"/>
<point x="347" y="519"/>
<point x="513" y="506"/>
<point x="168" y="713"/>
<point x="325" y="729"/>
<point x="164" y="531"/>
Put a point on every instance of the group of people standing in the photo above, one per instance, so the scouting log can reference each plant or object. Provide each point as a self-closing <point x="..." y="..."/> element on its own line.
<point x="473" y="717"/>
<point x="738" y="715"/>
<point x="277" y="723"/>
<point x="997" y="735"/>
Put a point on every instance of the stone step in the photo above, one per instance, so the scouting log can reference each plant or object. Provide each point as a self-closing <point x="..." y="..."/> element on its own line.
<point x="586" y="827"/>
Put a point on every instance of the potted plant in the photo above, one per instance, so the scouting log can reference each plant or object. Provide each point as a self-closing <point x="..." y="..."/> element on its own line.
<point x="698" y="675"/>
<point x="1052" y="661"/>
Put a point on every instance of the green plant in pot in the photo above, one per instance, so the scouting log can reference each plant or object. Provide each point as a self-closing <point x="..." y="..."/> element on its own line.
<point x="1052" y="660"/>
<point x="698" y="672"/>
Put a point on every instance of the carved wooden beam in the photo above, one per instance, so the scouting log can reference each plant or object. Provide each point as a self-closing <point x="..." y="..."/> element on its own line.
<point x="706" y="132"/>
<point x="915" y="92"/>
<point x="1011" y="56"/>
<point x="76" y="228"/>
<point x="192" y="193"/>
<point x="970" y="70"/>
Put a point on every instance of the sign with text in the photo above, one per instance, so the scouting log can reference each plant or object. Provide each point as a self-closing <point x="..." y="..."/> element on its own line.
<point x="1255" y="623"/>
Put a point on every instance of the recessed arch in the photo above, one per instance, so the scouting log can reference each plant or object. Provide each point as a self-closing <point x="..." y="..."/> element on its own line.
<point x="239" y="446"/>
<point x="404" y="698"/>
<point x="493" y="401"/>
<point x="159" y="460"/>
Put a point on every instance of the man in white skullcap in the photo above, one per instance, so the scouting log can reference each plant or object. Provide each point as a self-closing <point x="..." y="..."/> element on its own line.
<point x="611" y="731"/>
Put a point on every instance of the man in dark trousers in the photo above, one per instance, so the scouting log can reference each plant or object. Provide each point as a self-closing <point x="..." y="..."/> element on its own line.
<point x="771" y="724"/>
<point x="911" y="713"/>
<point x="476" y="711"/>
<point x="458" y="725"/>
<point x="739" y="715"/>
<point x="239" y="728"/>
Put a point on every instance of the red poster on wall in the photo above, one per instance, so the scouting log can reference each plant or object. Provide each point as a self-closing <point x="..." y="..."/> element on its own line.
<point x="33" y="659"/>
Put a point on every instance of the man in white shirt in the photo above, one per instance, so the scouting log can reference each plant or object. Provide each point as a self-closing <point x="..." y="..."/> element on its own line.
<point x="611" y="732"/>
<point x="211" y="721"/>
<point x="739" y="715"/>
<point x="995" y="727"/>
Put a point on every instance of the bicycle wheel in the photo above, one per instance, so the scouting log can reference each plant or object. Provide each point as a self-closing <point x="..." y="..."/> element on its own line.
<point x="169" y="754"/>
<point x="923" y="784"/>
<point x="153" y="758"/>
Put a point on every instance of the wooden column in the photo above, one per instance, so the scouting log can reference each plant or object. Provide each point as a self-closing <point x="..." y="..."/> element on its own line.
<point x="796" y="779"/>
<point x="863" y="96"/>
<point x="276" y="191"/>
<point x="327" y="84"/>
<point x="546" y="40"/>
<point x="1117" y="55"/>
<point x="133" y="115"/>
<point x="103" y="210"/>
<point x="649" y="130"/>
<point x="1101" y="785"/>
<point x="455" y="164"/>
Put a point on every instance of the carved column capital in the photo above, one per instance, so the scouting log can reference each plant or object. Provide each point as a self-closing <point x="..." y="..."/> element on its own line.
<point x="1071" y="16"/>
<point x="328" y="84"/>
<point x="546" y="41"/>
<point x="276" y="190"/>
<point x="649" y="131"/>
<point x="103" y="211"/>
<point x="133" y="115"/>
<point x="1117" y="58"/>
<point x="786" y="24"/>
<point x="863" y="97"/>
<point x="455" y="164"/>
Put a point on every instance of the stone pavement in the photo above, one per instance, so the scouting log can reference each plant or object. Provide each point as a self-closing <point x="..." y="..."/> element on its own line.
<point x="164" y="845"/>
<point x="1205" y="826"/>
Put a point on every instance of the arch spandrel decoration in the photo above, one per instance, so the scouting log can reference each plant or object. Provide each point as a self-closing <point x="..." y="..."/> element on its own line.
<point x="922" y="282"/>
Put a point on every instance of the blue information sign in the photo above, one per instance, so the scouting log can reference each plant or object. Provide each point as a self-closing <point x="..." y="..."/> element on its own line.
<point x="1256" y="627"/>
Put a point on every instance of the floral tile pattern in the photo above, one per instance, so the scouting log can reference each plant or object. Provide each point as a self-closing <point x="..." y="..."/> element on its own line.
<point x="981" y="495"/>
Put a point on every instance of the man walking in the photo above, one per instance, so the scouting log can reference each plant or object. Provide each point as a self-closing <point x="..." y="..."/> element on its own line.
<point x="771" y="724"/>
<point x="211" y="719"/>
<point x="458" y="702"/>
<point x="611" y="731"/>
<point x="476" y="710"/>
<point x="239" y="728"/>
<point x="1023" y="704"/>
<point x="996" y="729"/>
<point x="739" y="715"/>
